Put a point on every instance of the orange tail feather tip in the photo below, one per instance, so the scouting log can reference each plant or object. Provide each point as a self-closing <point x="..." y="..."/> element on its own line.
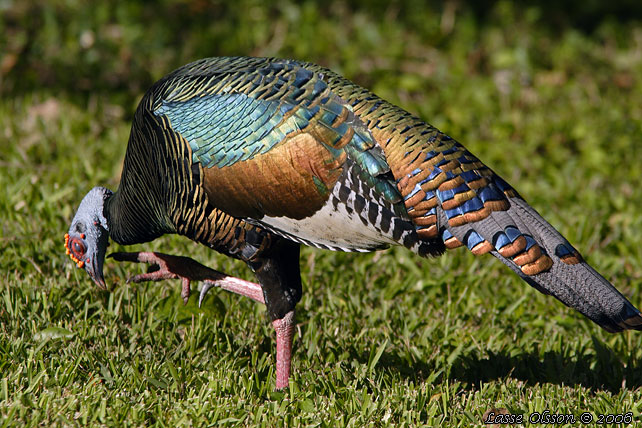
<point x="513" y="248"/>
<point x="415" y="199"/>
<point x="572" y="259"/>
<point x="528" y="256"/>
<point x="452" y="242"/>
<point x="482" y="248"/>
<point x="538" y="266"/>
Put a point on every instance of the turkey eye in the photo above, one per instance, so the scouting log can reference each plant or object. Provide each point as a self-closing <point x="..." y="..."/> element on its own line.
<point x="78" y="247"/>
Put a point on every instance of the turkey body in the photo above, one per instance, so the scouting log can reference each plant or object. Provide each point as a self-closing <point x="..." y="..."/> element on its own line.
<point x="254" y="156"/>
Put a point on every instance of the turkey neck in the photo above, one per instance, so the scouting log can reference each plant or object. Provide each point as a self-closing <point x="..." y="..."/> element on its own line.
<point x="132" y="219"/>
<point x="138" y="211"/>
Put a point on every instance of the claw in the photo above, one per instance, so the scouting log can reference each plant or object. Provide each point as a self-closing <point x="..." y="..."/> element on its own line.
<point x="206" y="287"/>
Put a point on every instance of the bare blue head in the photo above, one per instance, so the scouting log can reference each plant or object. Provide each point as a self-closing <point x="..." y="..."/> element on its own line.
<point x="88" y="237"/>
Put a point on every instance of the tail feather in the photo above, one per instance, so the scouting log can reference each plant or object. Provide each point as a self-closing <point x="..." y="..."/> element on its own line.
<point x="561" y="271"/>
<point x="573" y="281"/>
<point x="450" y="195"/>
<point x="582" y="288"/>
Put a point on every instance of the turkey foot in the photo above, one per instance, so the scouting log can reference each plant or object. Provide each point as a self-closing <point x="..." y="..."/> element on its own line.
<point x="188" y="270"/>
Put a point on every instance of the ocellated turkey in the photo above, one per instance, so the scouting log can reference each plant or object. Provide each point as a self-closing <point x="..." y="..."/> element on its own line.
<point x="255" y="156"/>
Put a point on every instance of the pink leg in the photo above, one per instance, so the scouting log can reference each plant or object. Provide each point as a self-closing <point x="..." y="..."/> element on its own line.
<point x="186" y="269"/>
<point x="284" y="332"/>
<point x="234" y="285"/>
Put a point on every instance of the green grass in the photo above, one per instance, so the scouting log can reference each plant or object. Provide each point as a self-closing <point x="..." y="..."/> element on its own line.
<point x="384" y="339"/>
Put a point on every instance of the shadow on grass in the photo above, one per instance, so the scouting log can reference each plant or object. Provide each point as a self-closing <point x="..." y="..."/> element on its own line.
<point x="604" y="371"/>
<point x="601" y="370"/>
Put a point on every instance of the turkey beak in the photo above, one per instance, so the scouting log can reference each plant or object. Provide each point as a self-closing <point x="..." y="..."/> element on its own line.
<point x="94" y="265"/>
<point x="95" y="271"/>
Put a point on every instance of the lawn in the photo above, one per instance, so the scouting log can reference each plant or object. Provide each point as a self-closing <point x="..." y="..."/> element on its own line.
<point x="549" y="100"/>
